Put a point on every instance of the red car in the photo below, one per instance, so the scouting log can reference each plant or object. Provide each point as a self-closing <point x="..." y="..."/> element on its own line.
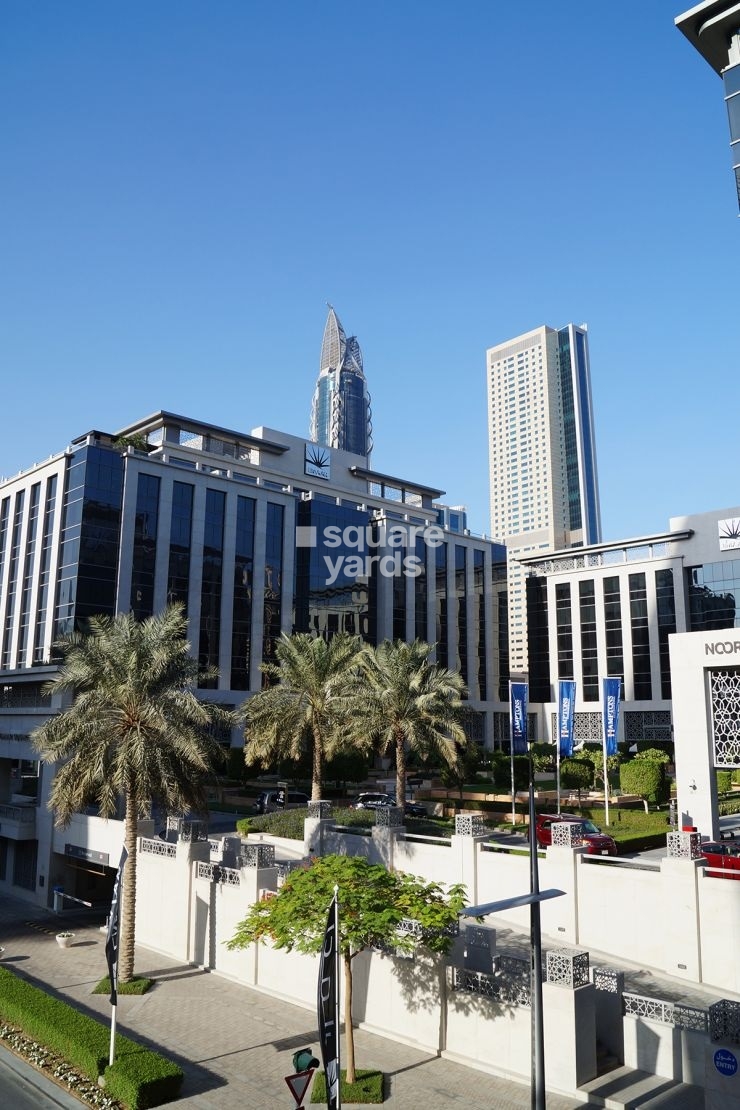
<point x="595" y="841"/>
<point x="723" y="859"/>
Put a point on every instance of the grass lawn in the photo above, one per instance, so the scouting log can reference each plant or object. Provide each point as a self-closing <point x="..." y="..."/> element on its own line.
<point x="134" y="986"/>
<point x="367" y="1088"/>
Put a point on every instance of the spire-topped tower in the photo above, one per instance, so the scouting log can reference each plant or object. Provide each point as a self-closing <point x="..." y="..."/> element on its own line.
<point x="340" y="413"/>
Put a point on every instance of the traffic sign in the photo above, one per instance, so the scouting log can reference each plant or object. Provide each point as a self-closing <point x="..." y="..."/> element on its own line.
<point x="298" y="1084"/>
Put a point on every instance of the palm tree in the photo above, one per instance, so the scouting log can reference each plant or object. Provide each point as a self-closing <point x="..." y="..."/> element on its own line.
<point x="135" y="729"/>
<point x="407" y="702"/>
<point x="307" y="706"/>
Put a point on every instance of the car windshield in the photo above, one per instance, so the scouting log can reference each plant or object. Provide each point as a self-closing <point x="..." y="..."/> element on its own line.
<point x="589" y="827"/>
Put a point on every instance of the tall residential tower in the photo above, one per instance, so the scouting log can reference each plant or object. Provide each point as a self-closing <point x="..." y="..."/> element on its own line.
<point x="542" y="455"/>
<point x="340" y="413"/>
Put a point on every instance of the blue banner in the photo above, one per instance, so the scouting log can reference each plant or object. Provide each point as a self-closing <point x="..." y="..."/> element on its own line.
<point x="519" y="694"/>
<point x="566" y="708"/>
<point x="612" y="689"/>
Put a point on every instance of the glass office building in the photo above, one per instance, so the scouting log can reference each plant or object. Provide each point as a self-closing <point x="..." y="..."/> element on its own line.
<point x="340" y="413"/>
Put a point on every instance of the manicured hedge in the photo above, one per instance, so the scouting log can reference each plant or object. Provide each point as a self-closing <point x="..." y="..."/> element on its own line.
<point x="139" y="1077"/>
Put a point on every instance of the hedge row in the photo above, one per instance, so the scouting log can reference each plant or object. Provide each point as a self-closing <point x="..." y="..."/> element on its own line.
<point x="139" y="1077"/>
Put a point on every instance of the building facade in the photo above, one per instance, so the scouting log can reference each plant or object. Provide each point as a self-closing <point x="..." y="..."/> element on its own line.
<point x="256" y="534"/>
<point x="340" y="412"/>
<point x="713" y="28"/>
<point x="542" y="455"/>
<point x="613" y="610"/>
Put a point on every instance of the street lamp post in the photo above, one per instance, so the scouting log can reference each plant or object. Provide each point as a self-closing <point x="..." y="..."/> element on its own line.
<point x="533" y="900"/>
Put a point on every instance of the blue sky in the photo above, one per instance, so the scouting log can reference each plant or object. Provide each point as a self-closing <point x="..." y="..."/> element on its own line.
<point x="185" y="185"/>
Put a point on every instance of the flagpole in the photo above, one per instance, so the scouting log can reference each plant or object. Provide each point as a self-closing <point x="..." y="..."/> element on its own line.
<point x="558" y="771"/>
<point x="336" y="1000"/>
<point x="112" y="1035"/>
<point x="606" y="774"/>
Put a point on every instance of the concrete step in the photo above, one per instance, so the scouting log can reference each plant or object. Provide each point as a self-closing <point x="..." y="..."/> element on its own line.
<point x="624" y="1088"/>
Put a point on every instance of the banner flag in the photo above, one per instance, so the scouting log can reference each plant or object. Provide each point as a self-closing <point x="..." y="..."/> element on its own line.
<point x="519" y="692"/>
<point x="566" y="706"/>
<point x="612" y="689"/>
<point x="113" y="938"/>
<point x="327" y="1008"/>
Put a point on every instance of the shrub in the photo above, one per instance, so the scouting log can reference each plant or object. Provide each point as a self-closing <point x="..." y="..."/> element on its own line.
<point x="724" y="782"/>
<point x="655" y="754"/>
<point x="139" y="1077"/>
<point x="646" y="778"/>
<point x="736" y="778"/>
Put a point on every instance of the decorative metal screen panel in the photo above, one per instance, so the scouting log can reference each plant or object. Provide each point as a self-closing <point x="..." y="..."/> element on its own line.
<point x="498" y="987"/>
<point x="389" y="817"/>
<point x="215" y="873"/>
<point x="669" y="1013"/>
<point x="725" y="695"/>
<point x="647" y="724"/>
<point x="724" y="1021"/>
<point x="257" y="855"/>
<point x="469" y="824"/>
<point x="158" y="848"/>
<point x="568" y="967"/>
<point x="608" y="979"/>
<point x="187" y="830"/>
<point x="684" y="845"/>
<point x="321" y="810"/>
<point x="567" y="834"/>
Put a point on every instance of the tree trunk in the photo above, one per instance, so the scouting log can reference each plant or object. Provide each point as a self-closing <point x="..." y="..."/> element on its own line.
<point x="349" y="1037"/>
<point x="400" y="769"/>
<point x="128" y="914"/>
<point x="316" y="769"/>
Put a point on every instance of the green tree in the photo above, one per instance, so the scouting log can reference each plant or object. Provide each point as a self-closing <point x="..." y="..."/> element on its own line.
<point x="464" y="769"/>
<point x="135" y="729"/>
<point x="646" y="778"/>
<point x="307" y="705"/>
<point x="372" y="904"/>
<point x="406" y="703"/>
<point x="577" y="774"/>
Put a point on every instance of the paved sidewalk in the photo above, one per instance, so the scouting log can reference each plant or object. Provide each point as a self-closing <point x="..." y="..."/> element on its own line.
<point x="234" y="1044"/>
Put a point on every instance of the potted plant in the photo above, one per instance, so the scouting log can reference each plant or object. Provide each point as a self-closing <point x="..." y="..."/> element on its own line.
<point x="65" y="939"/>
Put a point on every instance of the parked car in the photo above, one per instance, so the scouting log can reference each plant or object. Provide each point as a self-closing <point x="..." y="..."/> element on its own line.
<point x="596" y="842"/>
<point x="378" y="800"/>
<point x="274" y="801"/>
<point x="723" y="859"/>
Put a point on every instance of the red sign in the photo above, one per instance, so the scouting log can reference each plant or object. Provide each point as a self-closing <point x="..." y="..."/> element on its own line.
<point x="299" y="1084"/>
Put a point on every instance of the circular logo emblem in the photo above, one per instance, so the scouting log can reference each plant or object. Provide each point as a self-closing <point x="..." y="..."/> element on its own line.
<point x="725" y="1061"/>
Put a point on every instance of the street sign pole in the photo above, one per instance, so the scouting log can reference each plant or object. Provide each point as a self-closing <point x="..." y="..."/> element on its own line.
<point x="298" y="1084"/>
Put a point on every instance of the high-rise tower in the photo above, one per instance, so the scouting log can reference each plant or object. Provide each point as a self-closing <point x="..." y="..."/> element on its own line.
<point x="543" y="484"/>
<point x="713" y="28"/>
<point x="340" y="413"/>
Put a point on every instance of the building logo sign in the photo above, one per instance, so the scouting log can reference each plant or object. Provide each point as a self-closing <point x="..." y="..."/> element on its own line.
<point x="729" y="534"/>
<point x="317" y="462"/>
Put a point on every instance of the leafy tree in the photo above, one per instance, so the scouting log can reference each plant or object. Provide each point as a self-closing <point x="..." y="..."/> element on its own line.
<point x="577" y="774"/>
<point x="405" y="702"/>
<point x="464" y="769"/>
<point x="372" y="904"/>
<point x="544" y="756"/>
<point x="646" y="778"/>
<point x="349" y="766"/>
<point x="134" y="729"/>
<point x="307" y="706"/>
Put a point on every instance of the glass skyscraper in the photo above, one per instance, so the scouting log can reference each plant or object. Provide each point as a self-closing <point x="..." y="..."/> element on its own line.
<point x="340" y="413"/>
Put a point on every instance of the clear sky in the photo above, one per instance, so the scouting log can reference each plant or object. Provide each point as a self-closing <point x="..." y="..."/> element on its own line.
<point x="185" y="185"/>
